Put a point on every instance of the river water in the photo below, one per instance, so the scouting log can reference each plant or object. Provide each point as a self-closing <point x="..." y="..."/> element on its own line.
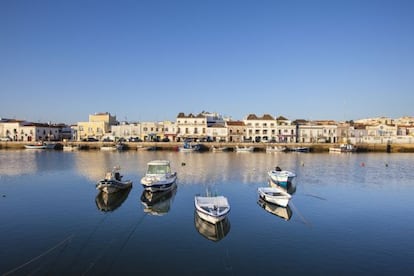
<point x="350" y="214"/>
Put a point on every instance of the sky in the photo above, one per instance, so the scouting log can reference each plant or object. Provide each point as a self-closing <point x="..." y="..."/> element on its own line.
<point x="150" y="60"/>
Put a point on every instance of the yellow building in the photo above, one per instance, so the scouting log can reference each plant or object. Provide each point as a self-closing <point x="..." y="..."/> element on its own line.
<point x="99" y="124"/>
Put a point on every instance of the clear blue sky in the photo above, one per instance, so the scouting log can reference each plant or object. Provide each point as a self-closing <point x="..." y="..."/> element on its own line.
<point x="149" y="60"/>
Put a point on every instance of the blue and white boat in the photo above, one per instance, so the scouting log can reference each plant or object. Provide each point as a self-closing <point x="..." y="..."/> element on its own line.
<point x="188" y="147"/>
<point x="159" y="176"/>
<point x="281" y="178"/>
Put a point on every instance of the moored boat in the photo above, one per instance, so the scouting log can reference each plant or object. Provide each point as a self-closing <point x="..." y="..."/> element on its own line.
<point x="113" y="182"/>
<point x="276" y="148"/>
<point x="281" y="178"/>
<point x="35" y="146"/>
<point x="343" y="148"/>
<point x="70" y="147"/>
<point x="244" y="148"/>
<point x="274" y="195"/>
<point x="159" y="176"/>
<point x="219" y="149"/>
<point x="212" y="208"/>
<point x="108" y="147"/>
<point x="188" y="147"/>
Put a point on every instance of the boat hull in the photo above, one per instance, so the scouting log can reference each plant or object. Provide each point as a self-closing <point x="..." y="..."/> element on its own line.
<point x="282" y="178"/>
<point x="274" y="195"/>
<point x="35" y="146"/>
<point x="113" y="186"/>
<point x="153" y="185"/>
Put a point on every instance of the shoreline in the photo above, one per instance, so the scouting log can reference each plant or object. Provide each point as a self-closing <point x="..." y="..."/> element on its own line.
<point x="173" y="146"/>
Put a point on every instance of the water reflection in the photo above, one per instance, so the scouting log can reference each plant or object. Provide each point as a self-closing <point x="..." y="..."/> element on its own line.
<point x="214" y="232"/>
<point x="282" y="212"/>
<point x="158" y="203"/>
<point x="110" y="202"/>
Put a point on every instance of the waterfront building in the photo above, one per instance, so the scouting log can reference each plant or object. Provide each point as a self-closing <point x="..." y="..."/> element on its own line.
<point x="286" y="131"/>
<point x="260" y="129"/>
<point x="317" y="132"/>
<point x="217" y="133"/>
<point x="97" y="127"/>
<point x="170" y="130"/>
<point x="380" y="133"/>
<point x="125" y="130"/>
<point x="19" y="130"/>
<point x="236" y="131"/>
<point x="191" y="127"/>
<point x="151" y="131"/>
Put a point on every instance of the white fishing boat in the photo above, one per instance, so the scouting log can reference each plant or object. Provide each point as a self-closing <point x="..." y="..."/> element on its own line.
<point x="343" y="148"/>
<point x="300" y="149"/>
<point x="244" y="148"/>
<point x="108" y="147"/>
<point x="50" y="145"/>
<point x="35" y="146"/>
<point x="159" y="176"/>
<point x="113" y="182"/>
<point x="219" y="149"/>
<point x="274" y="195"/>
<point x="276" y="148"/>
<point x="70" y="147"/>
<point x="212" y="208"/>
<point x="188" y="147"/>
<point x="282" y="178"/>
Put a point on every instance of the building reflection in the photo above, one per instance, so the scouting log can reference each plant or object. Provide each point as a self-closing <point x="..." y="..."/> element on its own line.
<point x="213" y="232"/>
<point x="19" y="162"/>
<point x="158" y="203"/>
<point x="110" y="202"/>
<point x="282" y="212"/>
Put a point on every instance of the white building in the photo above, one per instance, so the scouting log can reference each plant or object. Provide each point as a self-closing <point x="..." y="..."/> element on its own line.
<point x="191" y="126"/>
<point x="260" y="128"/>
<point x="18" y="130"/>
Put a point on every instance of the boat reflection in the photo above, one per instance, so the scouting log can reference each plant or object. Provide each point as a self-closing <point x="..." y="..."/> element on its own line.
<point x="282" y="212"/>
<point x="214" y="232"/>
<point x="158" y="203"/>
<point x="110" y="202"/>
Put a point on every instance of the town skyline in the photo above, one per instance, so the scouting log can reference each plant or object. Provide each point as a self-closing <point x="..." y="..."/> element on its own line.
<point x="186" y="114"/>
<point x="144" y="61"/>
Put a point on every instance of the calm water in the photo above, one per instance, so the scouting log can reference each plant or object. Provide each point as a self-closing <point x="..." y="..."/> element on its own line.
<point x="351" y="214"/>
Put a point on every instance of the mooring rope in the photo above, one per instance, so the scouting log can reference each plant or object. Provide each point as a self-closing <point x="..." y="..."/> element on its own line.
<point x="39" y="256"/>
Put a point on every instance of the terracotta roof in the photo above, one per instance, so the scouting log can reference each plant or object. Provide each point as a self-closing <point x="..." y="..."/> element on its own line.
<point x="251" y="117"/>
<point x="235" y="123"/>
<point x="267" y="117"/>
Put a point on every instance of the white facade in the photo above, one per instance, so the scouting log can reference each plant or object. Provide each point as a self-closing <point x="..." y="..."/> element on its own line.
<point x="126" y="130"/>
<point x="217" y="133"/>
<point x="194" y="127"/>
<point x="260" y="128"/>
<point x="315" y="133"/>
<point x="29" y="132"/>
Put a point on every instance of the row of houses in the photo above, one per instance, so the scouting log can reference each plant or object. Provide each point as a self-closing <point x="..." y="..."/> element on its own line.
<point x="207" y="126"/>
